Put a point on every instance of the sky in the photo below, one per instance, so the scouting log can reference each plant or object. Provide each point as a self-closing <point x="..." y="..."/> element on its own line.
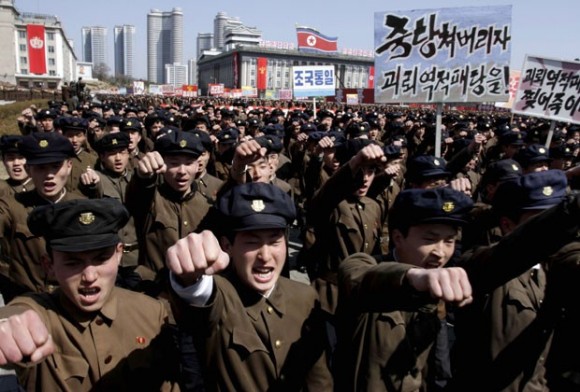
<point x="545" y="28"/>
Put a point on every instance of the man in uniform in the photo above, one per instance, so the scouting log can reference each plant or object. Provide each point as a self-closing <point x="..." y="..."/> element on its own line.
<point x="75" y="130"/>
<point x="255" y="330"/>
<point x="48" y="159"/>
<point x="15" y="164"/>
<point x="88" y="334"/>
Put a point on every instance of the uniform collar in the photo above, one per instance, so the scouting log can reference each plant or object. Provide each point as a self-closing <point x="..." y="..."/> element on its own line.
<point x="81" y="319"/>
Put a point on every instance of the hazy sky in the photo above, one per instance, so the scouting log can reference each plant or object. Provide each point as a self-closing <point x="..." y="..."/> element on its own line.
<point x="546" y="28"/>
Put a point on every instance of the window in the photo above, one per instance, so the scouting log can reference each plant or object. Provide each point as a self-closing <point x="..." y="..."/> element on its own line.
<point x="24" y="71"/>
<point x="23" y="60"/>
<point x="51" y="62"/>
<point x="50" y="49"/>
<point x="22" y="47"/>
<point x="52" y="73"/>
<point x="278" y="74"/>
<point x="50" y="36"/>
<point x="24" y="83"/>
<point x="52" y="85"/>
<point x="22" y="34"/>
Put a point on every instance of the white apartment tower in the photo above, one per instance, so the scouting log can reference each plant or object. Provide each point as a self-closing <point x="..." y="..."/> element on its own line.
<point x="220" y="24"/>
<point x="164" y="42"/>
<point x="124" y="38"/>
<point x="204" y="42"/>
<point x="94" y="44"/>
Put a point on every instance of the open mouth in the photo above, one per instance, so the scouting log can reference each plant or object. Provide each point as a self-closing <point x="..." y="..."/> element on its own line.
<point x="89" y="294"/>
<point x="263" y="274"/>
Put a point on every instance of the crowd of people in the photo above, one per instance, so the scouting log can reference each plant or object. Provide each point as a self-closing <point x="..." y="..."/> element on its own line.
<point x="144" y="245"/>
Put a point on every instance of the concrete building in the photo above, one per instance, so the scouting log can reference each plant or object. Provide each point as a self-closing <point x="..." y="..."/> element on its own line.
<point x="221" y="23"/>
<point x="204" y="42"/>
<point x="164" y="42"/>
<point x="176" y="74"/>
<point x="58" y="61"/>
<point x="241" y="35"/>
<point x="192" y="71"/>
<point x="94" y="44"/>
<point x="238" y="68"/>
<point x="124" y="43"/>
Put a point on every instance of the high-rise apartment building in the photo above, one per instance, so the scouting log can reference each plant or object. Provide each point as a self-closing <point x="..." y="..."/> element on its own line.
<point x="124" y="38"/>
<point x="164" y="42"/>
<point x="204" y="42"/>
<point x="94" y="44"/>
<point x="221" y="23"/>
<point x="192" y="71"/>
<point x="176" y="74"/>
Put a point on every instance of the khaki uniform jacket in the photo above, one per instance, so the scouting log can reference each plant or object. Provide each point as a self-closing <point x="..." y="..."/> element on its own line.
<point x="10" y="187"/>
<point x="510" y="322"/>
<point x="343" y="225"/>
<point x="162" y="217"/>
<point x="26" y="249"/>
<point x="251" y="343"/>
<point x="384" y="343"/>
<point x="208" y="186"/>
<point x="80" y="163"/>
<point x="125" y="346"/>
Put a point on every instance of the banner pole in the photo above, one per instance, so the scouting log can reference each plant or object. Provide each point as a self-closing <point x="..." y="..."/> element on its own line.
<point x="314" y="106"/>
<point x="438" y="130"/>
<point x="550" y="133"/>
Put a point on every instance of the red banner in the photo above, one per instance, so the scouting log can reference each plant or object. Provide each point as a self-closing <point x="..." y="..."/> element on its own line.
<point x="311" y="40"/>
<point x="371" y="83"/>
<point x="262" y="82"/>
<point x="36" y="49"/>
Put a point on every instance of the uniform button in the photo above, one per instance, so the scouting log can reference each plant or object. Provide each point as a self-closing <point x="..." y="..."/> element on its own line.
<point x="270" y="309"/>
<point x="99" y="322"/>
<point x="108" y="360"/>
<point x="282" y="377"/>
<point x="359" y="207"/>
<point x="366" y="226"/>
<point x="184" y="223"/>
<point x="366" y="244"/>
<point x="277" y="344"/>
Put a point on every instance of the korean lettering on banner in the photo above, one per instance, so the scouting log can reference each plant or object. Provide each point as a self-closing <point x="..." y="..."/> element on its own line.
<point x="443" y="55"/>
<point x="549" y="88"/>
<point x="311" y="81"/>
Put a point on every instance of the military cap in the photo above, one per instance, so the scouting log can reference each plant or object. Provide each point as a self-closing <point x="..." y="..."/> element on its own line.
<point x="345" y="151"/>
<point x="347" y="116"/>
<point x="152" y="118"/>
<point x="179" y="142"/>
<point x="204" y="139"/>
<point x="277" y="112"/>
<point x="112" y="141"/>
<point x="73" y="124"/>
<point x="253" y="122"/>
<point x="274" y="129"/>
<point x="513" y="137"/>
<point x="46" y="113"/>
<point x="316" y="136"/>
<point x="79" y="225"/>
<point x="421" y="167"/>
<point x="190" y="123"/>
<point x="228" y="135"/>
<point x="562" y="151"/>
<point x="131" y="124"/>
<point x="531" y="154"/>
<point x="225" y="113"/>
<point x="255" y="206"/>
<point x="324" y="113"/>
<point x="357" y="129"/>
<point x="10" y="143"/>
<point x="241" y="123"/>
<point x="531" y="191"/>
<point x="436" y="205"/>
<point x="502" y="129"/>
<point x="308" y="127"/>
<point x="392" y="152"/>
<point x="114" y="121"/>
<point x="272" y="143"/>
<point x="502" y="170"/>
<point x="46" y="147"/>
<point x="167" y="129"/>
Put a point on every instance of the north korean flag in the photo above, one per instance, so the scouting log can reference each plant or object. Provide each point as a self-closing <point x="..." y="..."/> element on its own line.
<point x="310" y="40"/>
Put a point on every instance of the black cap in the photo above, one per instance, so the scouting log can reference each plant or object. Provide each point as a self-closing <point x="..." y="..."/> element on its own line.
<point x="46" y="113"/>
<point x="46" y="147"/>
<point x="255" y="206"/>
<point x="179" y="142"/>
<point x="272" y="143"/>
<point x="114" y="121"/>
<point x="130" y="124"/>
<point x="190" y="123"/>
<point x="531" y="191"/>
<point x="10" y="143"/>
<point x="392" y="152"/>
<point x="73" y="124"/>
<point x="502" y="170"/>
<point x="308" y="127"/>
<point x="421" y="167"/>
<point x="562" y="151"/>
<point x="357" y="129"/>
<point x="513" y="137"/>
<point x="204" y="139"/>
<point x="228" y="135"/>
<point x="437" y="205"/>
<point x="533" y="153"/>
<point x="274" y="129"/>
<point x="79" y="225"/>
<point x="112" y="141"/>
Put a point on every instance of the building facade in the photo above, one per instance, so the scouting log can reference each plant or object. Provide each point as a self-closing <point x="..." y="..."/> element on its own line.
<point x="164" y="42"/>
<point x="175" y="74"/>
<point x="221" y="23"/>
<point x="94" y="44"/>
<point x="238" y="68"/>
<point x="192" y="71"/>
<point x="35" y="50"/>
<point x="124" y="43"/>
<point x="204" y="42"/>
